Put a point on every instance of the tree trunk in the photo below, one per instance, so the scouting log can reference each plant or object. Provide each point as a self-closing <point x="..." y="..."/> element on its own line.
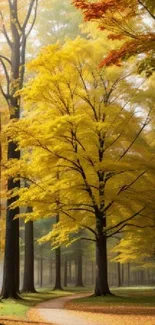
<point x="119" y="274"/>
<point x="10" y="286"/>
<point x="92" y="268"/>
<point x="122" y="274"/>
<point x="65" y="272"/>
<point x="57" y="265"/>
<point x="51" y="271"/>
<point x="128" y="274"/>
<point x="69" y="272"/>
<point x="28" y="283"/>
<point x="41" y="268"/>
<point x="16" y="39"/>
<point x="79" y="281"/>
<point x="58" y="269"/>
<point x="102" y="287"/>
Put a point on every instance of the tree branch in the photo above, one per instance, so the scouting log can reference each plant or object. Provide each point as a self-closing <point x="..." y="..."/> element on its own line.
<point x="28" y="14"/>
<point x="34" y="19"/>
<point x="4" y="31"/>
<point x="89" y="239"/>
<point x="121" y="223"/>
<point x="146" y="8"/>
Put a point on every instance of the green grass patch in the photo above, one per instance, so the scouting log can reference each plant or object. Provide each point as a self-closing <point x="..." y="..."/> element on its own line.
<point x="19" y="308"/>
<point x="122" y="296"/>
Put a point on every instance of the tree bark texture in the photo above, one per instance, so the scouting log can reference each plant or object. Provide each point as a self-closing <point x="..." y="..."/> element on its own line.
<point x="79" y="281"/>
<point x="65" y="272"/>
<point x="102" y="287"/>
<point x="28" y="282"/>
<point x="57" y="265"/>
<point x="14" y="75"/>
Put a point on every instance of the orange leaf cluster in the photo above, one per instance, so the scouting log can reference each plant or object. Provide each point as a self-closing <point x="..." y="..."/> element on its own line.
<point x="114" y="16"/>
<point x="130" y="48"/>
<point x="94" y="10"/>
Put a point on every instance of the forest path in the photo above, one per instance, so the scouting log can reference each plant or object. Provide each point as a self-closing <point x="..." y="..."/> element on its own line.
<point x="54" y="311"/>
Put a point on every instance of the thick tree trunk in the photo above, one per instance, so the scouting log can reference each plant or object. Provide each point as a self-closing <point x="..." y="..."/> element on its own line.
<point x="10" y="287"/>
<point x="58" y="269"/>
<point x="11" y="255"/>
<point x="28" y="282"/>
<point x="102" y="287"/>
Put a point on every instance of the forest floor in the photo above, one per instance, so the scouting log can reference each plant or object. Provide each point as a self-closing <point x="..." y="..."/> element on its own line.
<point x="14" y="312"/>
<point x="77" y="307"/>
<point x="127" y="307"/>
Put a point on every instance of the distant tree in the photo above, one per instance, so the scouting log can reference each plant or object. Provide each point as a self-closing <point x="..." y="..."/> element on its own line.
<point x="61" y="20"/>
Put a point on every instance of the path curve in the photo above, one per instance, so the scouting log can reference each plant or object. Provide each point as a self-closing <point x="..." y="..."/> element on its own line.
<point x="53" y="311"/>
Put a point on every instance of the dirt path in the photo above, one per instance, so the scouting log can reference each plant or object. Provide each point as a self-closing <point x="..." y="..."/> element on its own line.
<point x="53" y="312"/>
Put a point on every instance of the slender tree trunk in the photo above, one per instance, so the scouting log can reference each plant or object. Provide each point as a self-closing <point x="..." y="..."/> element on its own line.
<point x="41" y="268"/>
<point x="38" y="271"/>
<point x="85" y="271"/>
<point x="92" y="267"/>
<point x="50" y="271"/>
<point x="119" y="274"/>
<point x="69" y="271"/>
<point x="79" y="281"/>
<point x="102" y="287"/>
<point x="128" y="274"/>
<point x="141" y="277"/>
<point x="122" y="274"/>
<point x="148" y="275"/>
<point x="65" y="272"/>
<point x="28" y="282"/>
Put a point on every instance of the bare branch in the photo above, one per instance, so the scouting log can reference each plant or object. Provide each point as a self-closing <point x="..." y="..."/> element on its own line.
<point x="129" y="225"/>
<point x="89" y="239"/>
<point x="90" y="229"/>
<point x="121" y="223"/>
<point x="146" y="8"/>
<point x="34" y="19"/>
<point x="28" y="14"/>
<point x="136" y="137"/>
<point x="5" y="58"/>
<point x="7" y="78"/>
<point x="4" y="31"/>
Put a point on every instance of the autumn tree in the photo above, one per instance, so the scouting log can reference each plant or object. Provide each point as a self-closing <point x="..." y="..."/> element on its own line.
<point x="15" y="30"/>
<point x="93" y="138"/>
<point x="130" y="21"/>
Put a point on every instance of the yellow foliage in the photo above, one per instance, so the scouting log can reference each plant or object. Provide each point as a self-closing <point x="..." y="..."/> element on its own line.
<point x="86" y="150"/>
